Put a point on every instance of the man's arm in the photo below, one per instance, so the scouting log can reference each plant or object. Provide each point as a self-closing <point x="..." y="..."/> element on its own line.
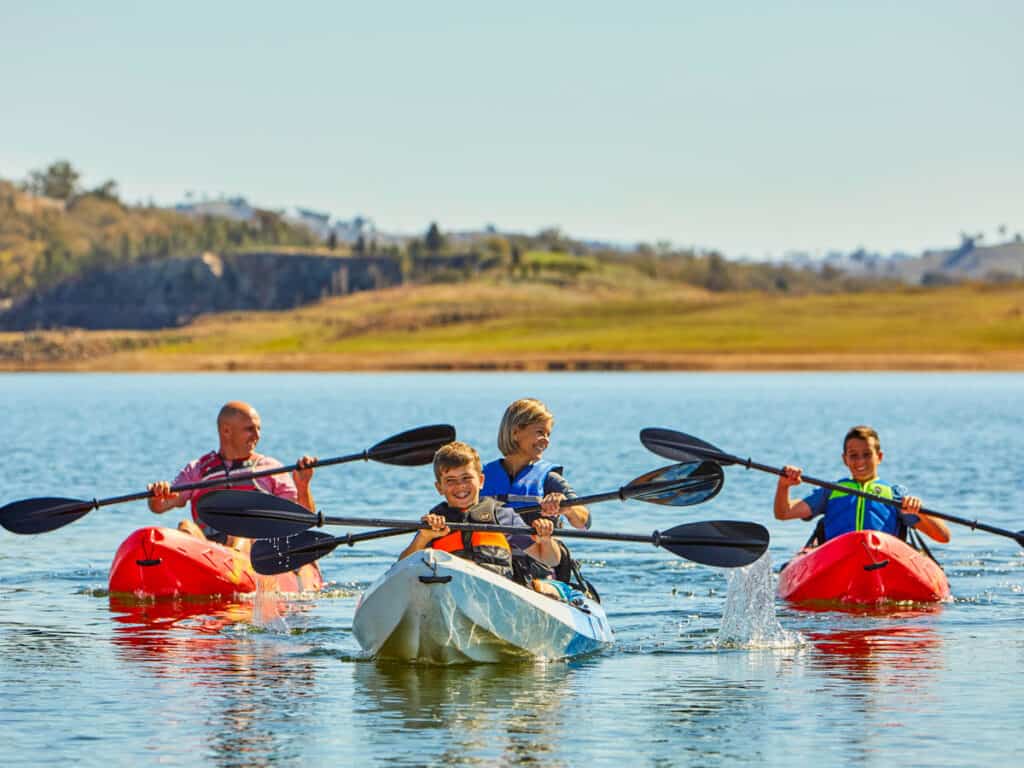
<point x="162" y="498"/>
<point x="302" y="477"/>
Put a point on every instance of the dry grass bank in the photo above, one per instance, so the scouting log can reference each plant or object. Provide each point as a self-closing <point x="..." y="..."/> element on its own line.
<point x="588" y="325"/>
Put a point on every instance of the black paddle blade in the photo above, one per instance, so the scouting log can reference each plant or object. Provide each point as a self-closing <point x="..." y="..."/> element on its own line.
<point x="273" y="556"/>
<point x="414" y="447"/>
<point x="722" y="543"/>
<point x="43" y="514"/>
<point x="678" y="485"/>
<point x="679" y="446"/>
<point x="254" y="515"/>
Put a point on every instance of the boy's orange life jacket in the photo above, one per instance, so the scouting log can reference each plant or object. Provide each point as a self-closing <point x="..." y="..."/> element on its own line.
<point x="485" y="548"/>
<point x="455" y="542"/>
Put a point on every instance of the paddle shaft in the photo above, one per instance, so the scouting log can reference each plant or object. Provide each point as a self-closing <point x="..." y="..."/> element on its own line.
<point x="624" y="493"/>
<point x="655" y="538"/>
<point x="354" y="538"/>
<point x="725" y="458"/>
<point x="577" y="501"/>
<point x="219" y="481"/>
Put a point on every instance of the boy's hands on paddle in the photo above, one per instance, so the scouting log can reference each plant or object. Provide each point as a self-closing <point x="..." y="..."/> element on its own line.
<point x="791" y="476"/>
<point x="910" y="509"/>
<point x="543" y="527"/>
<point x="911" y="505"/>
<point x="435" y="526"/>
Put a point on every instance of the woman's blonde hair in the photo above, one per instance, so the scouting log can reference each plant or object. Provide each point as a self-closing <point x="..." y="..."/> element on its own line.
<point x="518" y="415"/>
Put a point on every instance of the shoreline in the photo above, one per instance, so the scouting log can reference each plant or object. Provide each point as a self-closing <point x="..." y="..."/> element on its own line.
<point x="1009" y="362"/>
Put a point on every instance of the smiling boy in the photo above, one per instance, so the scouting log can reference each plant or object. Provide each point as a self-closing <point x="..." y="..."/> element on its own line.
<point x="459" y="477"/>
<point x="845" y="512"/>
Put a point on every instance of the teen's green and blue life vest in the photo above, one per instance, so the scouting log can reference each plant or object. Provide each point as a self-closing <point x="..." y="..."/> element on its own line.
<point x="845" y="512"/>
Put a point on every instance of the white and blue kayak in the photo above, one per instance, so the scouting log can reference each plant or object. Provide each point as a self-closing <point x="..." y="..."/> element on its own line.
<point x="436" y="607"/>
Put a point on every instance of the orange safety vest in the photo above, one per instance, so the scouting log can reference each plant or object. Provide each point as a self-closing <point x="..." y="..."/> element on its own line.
<point x="455" y="543"/>
<point x="485" y="548"/>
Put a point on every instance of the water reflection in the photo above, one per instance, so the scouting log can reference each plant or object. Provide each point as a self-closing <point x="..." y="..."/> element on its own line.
<point x="482" y="714"/>
<point x="248" y="685"/>
<point x="882" y="677"/>
<point x="868" y="654"/>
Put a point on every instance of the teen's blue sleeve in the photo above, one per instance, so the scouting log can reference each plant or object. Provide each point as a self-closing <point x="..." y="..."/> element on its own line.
<point x="817" y="501"/>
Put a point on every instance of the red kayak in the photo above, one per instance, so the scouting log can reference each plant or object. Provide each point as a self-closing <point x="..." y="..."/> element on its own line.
<point x="164" y="562"/>
<point x="864" y="568"/>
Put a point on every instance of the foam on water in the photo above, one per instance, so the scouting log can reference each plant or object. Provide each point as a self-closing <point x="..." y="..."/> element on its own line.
<point x="749" y="619"/>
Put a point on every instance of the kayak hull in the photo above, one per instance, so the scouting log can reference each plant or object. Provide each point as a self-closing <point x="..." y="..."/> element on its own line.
<point x="164" y="562"/>
<point x="438" y="608"/>
<point x="863" y="568"/>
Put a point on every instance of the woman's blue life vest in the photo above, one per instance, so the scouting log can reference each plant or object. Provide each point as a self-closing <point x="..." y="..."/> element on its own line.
<point x="845" y="512"/>
<point x="525" y="490"/>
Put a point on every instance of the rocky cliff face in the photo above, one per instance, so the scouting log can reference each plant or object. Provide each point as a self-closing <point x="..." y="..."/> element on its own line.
<point x="172" y="292"/>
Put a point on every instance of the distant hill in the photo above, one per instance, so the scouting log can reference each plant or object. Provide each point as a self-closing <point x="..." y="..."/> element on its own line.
<point x="172" y="292"/>
<point x="45" y="241"/>
<point x="86" y="260"/>
<point x="969" y="262"/>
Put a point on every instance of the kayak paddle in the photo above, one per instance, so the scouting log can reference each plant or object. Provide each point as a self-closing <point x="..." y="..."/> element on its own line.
<point x="406" y="449"/>
<point x="682" y="447"/>
<point x="721" y="543"/>
<point x="255" y="515"/>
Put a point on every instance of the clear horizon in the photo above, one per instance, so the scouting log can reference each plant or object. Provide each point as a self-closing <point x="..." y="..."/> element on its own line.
<point x="754" y="129"/>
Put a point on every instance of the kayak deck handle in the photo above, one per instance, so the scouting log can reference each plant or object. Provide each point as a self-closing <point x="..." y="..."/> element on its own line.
<point x="876" y="566"/>
<point x="147" y="563"/>
<point x="435" y="579"/>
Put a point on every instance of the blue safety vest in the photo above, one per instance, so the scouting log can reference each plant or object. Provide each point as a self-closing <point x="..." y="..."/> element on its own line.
<point x="845" y="512"/>
<point x="525" y="490"/>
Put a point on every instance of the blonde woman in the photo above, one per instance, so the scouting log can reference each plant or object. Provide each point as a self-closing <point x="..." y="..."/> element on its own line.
<point x="522" y="477"/>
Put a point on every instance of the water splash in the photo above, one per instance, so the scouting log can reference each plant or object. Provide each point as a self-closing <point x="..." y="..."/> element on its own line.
<point x="749" y="619"/>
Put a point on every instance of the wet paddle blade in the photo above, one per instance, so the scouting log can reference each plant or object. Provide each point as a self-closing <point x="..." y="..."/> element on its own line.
<point x="679" y="446"/>
<point x="722" y="543"/>
<point x="254" y="515"/>
<point x="273" y="556"/>
<point x="414" y="447"/>
<point x="43" y="514"/>
<point x="679" y="485"/>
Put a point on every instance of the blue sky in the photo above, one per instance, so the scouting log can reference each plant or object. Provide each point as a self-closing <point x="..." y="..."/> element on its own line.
<point x="753" y="127"/>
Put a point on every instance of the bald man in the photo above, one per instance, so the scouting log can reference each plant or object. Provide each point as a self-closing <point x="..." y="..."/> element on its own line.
<point x="238" y="427"/>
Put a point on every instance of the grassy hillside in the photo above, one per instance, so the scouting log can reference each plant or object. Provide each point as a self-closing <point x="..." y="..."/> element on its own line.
<point x="602" y="321"/>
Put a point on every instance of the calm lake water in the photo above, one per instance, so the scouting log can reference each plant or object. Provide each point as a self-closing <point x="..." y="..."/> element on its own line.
<point x="83" y="682"/>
